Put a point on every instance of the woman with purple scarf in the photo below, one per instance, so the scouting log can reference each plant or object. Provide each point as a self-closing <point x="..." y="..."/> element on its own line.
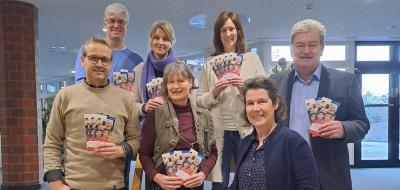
<point x="161" y="39"/>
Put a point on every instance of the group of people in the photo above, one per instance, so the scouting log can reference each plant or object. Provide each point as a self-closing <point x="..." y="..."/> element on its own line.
<point x="257" y="122"/>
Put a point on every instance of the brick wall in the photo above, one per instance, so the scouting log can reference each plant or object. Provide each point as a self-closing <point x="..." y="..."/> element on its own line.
<point x="18" y="100"/>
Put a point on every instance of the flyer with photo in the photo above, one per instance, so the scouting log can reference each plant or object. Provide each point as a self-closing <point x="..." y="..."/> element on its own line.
<point x="154" y="87"/>
<point x="98" y="129"/>
<point x="226" y="65"/>
<point x="124" y="80"/>
<point x="182" y="163"/>
<point x="320" y="111"/>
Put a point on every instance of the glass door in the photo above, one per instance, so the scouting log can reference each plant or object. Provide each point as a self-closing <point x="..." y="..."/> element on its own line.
<point x="375" y="93"/>
<point x="377" y="67"/>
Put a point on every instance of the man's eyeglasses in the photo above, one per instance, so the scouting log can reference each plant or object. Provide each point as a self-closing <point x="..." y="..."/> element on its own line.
<point x="95" y="59"/>
<point x="114" y="21"/>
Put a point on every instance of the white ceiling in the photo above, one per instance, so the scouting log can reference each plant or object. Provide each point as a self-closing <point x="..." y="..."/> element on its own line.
<point x="69" y="22"/>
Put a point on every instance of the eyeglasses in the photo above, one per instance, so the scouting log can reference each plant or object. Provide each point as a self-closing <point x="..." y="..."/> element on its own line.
<point x="95" y="59"/>
<point x="114" y="21"/>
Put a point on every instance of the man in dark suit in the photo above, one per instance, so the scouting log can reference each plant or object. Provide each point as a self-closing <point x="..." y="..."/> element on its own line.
<point x="310" y="79"/>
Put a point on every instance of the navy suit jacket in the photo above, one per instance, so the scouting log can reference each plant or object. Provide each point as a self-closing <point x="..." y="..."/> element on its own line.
<point x="289" y="163"/>
<point x="331" y="155"/>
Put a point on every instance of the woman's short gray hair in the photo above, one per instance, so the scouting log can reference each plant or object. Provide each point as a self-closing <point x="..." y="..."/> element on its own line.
<point x="178" y="68"/>
<point x="116" y="8"/>
<point x="309" y="25"/>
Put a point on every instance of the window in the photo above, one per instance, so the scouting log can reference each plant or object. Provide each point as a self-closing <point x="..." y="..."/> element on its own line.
<point x="62" y="84"/>
<point x="253" y="50"/>
<point x="50" y="88"/>
<point x="195" y="65"/>
<point x="373" y="53"/>
<point x="334" y="53"/>
<point x="197" y="61"/>
<point x="278" y="52"/>
<point x="341" y="69"/>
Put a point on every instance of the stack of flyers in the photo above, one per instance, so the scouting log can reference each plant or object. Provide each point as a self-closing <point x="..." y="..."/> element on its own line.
<point x="182" y="163"/>
<point x="320" y="111"/>
<point x="98" y="129"/>
<point x="226" y="65"/>
<point x="124" y="80"/>
<point x="154" y="87"/>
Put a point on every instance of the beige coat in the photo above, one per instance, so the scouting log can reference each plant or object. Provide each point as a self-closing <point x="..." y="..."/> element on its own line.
<point x="230" y="100"/>
<point x="137" y="92"/>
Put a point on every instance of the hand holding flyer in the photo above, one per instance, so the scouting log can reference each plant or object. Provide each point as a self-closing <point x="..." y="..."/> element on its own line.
<point x="320" y="111"/>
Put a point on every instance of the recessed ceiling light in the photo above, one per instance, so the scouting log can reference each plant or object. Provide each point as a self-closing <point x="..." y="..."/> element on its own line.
<point x="73" y="72"/>
<point x="58" y="49"/>
<point x="62" y="49"/>
<point x="52" y="48"/>
<point x="198" y="21"/>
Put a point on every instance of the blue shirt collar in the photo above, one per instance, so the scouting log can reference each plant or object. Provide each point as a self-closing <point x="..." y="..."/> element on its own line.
<point x="315" y="76"/>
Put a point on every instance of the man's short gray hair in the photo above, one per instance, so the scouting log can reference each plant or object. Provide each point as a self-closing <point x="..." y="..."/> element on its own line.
<point x="116" y="8"/>
<point x="309" y="25"/>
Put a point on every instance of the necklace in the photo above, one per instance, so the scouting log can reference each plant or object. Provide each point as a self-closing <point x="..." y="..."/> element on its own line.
<point x="266" y="136"/>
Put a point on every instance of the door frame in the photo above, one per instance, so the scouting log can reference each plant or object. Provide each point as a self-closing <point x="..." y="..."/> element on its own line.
<point x="391" y="67"/>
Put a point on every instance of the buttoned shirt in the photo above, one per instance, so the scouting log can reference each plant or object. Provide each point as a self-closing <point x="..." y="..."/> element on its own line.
<point x="303" y="90"/>
<point x="252" y="175"/>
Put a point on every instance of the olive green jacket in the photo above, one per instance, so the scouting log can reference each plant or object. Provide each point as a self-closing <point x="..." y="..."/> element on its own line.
<point x="167" y="129"/>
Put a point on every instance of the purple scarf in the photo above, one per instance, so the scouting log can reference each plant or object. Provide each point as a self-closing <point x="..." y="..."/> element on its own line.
<point x="150" y="65"/>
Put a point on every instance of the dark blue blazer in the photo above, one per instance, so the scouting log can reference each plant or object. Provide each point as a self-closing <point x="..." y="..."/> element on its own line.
<point x="289" y="163"/>
<point x="331" y="155"/>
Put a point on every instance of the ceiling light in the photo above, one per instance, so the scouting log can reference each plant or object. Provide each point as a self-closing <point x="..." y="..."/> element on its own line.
<point x="198" y="21"/>
<point x="62" y="49"/>
<point x="52" y="49"/>
<point x="58" y="49"/>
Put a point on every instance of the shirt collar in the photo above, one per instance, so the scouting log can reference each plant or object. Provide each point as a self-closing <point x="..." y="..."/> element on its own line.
<point x="108" y="82"/>
<point x="315" y="76"/>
